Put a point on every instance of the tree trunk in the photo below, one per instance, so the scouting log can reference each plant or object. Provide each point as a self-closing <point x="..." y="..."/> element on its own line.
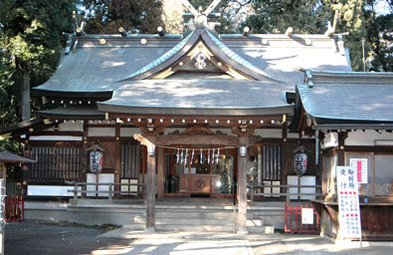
<point x="25" y="95"/>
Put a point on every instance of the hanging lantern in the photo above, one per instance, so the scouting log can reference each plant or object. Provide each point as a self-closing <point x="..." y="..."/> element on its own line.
<point x="96" y="158"/>
<point x="300" y="163"/>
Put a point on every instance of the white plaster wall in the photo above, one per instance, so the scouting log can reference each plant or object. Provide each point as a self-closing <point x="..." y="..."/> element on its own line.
<point x="101" y="132"/>
<point x="77" y="125"/>
<point x="330" y="140"/>
<point x="368" y="138"/>
<point x="275" y="133"/>
<point x="129" y="132"/>
<point x="55" y="138"/>
<point x="296" y="136"/>
<point x="71" y="126"/>
<point x="269" y="133"/>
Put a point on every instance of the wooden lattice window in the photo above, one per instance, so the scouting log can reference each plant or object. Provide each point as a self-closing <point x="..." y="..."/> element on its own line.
<point x="130" y="160"/>
<point x="55" y="163"/>
<point x="271" y="162"/>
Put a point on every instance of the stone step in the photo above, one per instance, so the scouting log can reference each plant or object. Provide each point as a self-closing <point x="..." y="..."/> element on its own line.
<point x="261" y="229"/>
<point x="196" y="228"/>
<point x="254" y="223"/>
<point x="188" y="214"/>
<point x="182" y="221"/>
<point x="134" y="226"/>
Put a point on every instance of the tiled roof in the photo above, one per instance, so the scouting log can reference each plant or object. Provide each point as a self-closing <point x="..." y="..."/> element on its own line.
<point x="163" y="58"/>
<point x="348" y="96"/>
<point x="198" y="96"/>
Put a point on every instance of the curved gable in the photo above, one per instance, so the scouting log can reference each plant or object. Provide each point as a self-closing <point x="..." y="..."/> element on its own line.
<point x="201" y="42"/>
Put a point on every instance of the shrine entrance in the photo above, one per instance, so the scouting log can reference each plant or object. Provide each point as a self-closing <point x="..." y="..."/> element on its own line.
<point x="200" y="172"/>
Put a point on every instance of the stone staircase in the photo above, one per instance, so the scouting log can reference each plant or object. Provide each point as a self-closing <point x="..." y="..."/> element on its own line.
<point x="198" y="220"/>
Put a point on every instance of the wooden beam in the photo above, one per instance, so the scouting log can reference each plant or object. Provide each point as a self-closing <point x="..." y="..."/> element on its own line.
<point x="223" y="140"/>
<point x="146" y="141"/>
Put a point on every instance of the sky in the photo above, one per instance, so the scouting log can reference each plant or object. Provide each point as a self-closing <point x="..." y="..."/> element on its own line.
<point x="382" y="7"/>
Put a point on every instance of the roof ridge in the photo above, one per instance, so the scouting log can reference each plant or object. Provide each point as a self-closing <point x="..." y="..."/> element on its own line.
<point x="238" y="63"/>
<point x="161" y="59"/>
<point x="235" y="57"/>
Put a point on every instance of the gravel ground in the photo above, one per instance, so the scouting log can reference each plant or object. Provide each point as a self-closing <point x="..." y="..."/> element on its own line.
<point x="41" y="237"/>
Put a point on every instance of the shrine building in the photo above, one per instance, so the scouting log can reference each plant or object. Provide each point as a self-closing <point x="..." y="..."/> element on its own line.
<point x="178" y="116"/>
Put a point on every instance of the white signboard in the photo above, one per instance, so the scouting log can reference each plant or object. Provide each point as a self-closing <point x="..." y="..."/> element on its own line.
<point x="360" y="164"/>
<point x="348" y="202"/>
<point x="307" y="216"/>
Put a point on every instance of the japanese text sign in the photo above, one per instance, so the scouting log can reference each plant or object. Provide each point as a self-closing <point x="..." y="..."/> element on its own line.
<point x="360" y="164"/>
<point x="348" y="201"/>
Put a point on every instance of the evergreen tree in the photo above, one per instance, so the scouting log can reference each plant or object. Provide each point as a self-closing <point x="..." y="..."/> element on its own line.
<point x="380" y="40"/>
<point x="105" y="17"/>
<point x="311" y="16"/>
<point x="31" y="39"/>
<point x="304" y="16"/>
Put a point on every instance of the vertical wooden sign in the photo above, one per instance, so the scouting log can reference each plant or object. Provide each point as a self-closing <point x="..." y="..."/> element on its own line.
<point x="348" y="202"/>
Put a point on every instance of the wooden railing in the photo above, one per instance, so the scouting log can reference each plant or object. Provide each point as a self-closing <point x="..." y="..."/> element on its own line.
<point x="287" y="193"/>
<point x="80" y="189"/>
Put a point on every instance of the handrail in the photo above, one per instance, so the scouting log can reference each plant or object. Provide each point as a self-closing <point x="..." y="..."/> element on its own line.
<point x="78" y="190"/>
<point x="287" y="194"/>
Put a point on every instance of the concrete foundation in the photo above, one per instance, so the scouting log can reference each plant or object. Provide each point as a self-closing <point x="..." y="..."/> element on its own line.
<point x="176" y="214"/>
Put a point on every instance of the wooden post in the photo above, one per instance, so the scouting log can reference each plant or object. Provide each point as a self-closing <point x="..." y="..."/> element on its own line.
<point x="85" y="164"/>
<point x="110" y="192"/>
<point x="160" y="172"/>
<point x="252" y="194"/>
<point x="341" y="148"/>
<point x="151" y="189"/>
<point x="288" y="199"/>
<point x="242" y="186"/>
<point x="117" y="170"/>
<point x="75" y="192"/>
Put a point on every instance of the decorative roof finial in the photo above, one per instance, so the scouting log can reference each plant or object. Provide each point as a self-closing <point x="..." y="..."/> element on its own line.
<point x="200" y="17"/>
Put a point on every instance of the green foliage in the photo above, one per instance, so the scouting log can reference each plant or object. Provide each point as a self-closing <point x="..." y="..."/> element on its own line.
<point x="380" y="38"/>
<point x="31" y="38"/>
<point x="355" y="16"/>
<point x="304" y="16"/>
<point x="105" y="17"/>
<point x="33" y="31"/>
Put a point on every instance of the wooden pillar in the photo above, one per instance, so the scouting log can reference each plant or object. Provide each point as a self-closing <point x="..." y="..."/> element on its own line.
<point x="341" y="148"/>
<point x="85" y="161"/>
<point x="160" y="172"/>
<point x="242" y="186"/>
<point x="117" y="165"/>
<point x="151" y="189"/>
